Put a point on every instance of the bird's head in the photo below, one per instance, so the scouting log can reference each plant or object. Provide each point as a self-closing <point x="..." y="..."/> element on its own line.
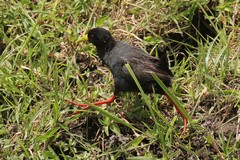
<point x="99" y="37"/>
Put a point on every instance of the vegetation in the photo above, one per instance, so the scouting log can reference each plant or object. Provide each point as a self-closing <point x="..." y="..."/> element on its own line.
<point x="42" y="64"/>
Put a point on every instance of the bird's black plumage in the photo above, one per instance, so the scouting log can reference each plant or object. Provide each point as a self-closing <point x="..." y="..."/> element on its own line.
<point x="115" y="54"/>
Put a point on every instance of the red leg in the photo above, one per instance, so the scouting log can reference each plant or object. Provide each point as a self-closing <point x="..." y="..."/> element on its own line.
<point x="86" y="106"/>
<point x="182" y="115"/>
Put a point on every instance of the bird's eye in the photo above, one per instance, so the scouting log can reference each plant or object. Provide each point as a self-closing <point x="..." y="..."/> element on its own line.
<point x="91" y="36"/>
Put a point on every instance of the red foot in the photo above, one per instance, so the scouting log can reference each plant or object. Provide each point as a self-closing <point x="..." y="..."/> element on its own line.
<point x="86" y="106"/>
<point x="182" y="115"/>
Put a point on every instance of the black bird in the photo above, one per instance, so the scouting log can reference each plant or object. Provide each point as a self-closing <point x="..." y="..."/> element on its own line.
<point x="115" y="54"/>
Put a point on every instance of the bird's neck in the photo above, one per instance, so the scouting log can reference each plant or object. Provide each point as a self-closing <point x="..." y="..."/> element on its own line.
<point x="105" y="48"/>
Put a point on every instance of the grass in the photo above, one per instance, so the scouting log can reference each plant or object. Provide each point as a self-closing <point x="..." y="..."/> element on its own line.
<point x="42" y="65"/>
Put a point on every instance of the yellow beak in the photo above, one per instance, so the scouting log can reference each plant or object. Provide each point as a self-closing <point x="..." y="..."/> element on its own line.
<point x="83" y="38"/>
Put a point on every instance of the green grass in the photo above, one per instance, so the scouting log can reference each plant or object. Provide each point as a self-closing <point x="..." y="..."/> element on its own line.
<point x="42" y="65"/>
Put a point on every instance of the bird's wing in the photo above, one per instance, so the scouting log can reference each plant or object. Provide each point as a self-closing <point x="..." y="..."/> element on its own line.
<point x="144" y="65"/>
